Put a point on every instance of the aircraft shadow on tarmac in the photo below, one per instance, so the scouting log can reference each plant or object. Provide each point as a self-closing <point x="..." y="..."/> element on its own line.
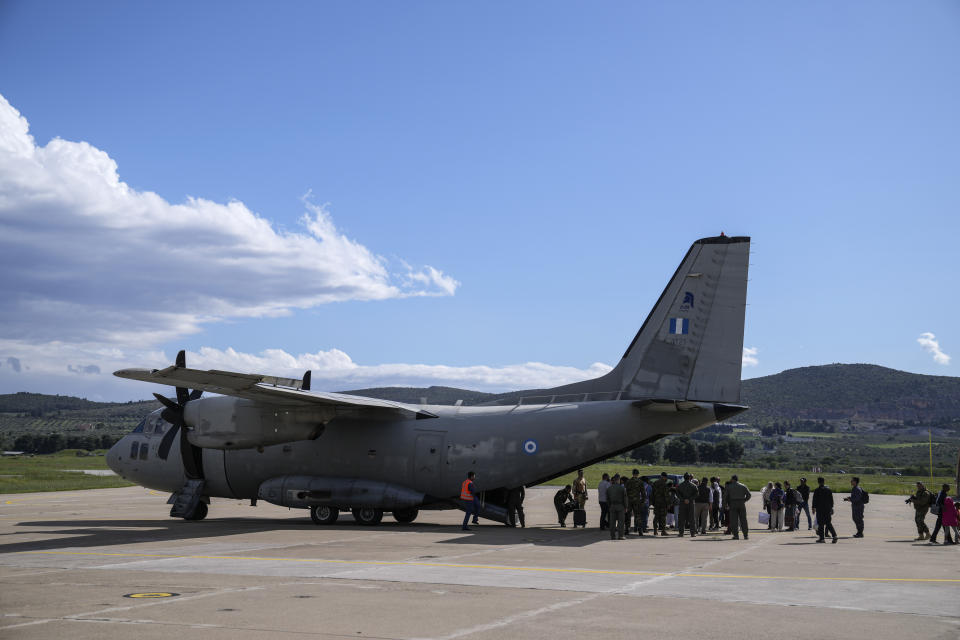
<point x="108" y="533"/>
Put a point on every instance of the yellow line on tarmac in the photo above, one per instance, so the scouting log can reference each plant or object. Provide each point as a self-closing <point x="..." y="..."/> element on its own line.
<point x="490" y="567"/>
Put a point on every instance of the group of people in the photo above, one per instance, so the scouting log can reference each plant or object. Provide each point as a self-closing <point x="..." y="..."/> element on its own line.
<point x="783" y="506"/>
<point x="703" y="505"/>
<point x="698" y="506"/>
<point x="945" y="508"/>
<point x="695" y="506"/>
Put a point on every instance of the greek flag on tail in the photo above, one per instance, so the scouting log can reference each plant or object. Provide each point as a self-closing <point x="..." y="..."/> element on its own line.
<point x="679" y="326"/>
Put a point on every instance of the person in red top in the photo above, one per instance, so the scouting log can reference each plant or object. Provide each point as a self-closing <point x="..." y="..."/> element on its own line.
<point x="469" y="494"/>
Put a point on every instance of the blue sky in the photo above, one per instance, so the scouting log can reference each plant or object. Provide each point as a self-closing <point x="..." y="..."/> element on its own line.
<point x="499" y="192"/>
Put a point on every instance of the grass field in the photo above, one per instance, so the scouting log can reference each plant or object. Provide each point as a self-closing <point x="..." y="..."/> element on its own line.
<point x="756" y="478"/>
<point x="903" y="445"/>
<point x="49" y="473"/>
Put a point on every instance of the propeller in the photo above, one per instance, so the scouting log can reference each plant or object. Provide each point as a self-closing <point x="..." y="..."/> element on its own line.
<point x="173" y="413"/>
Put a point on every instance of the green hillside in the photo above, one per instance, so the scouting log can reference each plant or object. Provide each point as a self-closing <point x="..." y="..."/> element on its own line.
<point x="855" y="392"/>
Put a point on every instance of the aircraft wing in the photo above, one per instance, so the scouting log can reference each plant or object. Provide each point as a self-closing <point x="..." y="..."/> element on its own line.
<point x="266" y="389"/>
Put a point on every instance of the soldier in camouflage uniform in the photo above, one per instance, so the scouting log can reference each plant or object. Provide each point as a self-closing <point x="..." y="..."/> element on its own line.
<point x="636" y="500"/>
<point x="661" y="502"/>
<point x="921" y="502"/>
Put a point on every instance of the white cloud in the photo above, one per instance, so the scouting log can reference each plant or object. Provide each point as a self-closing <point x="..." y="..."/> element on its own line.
<point x="750" y="356"/>
<point x="57" y="364"/>
<point x="88" y="259"/>
<point x="92" y="266"/>
<point x="930" y="344"/>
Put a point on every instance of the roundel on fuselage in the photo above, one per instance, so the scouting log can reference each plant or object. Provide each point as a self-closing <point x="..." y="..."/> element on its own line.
<point x="530" y="447"/>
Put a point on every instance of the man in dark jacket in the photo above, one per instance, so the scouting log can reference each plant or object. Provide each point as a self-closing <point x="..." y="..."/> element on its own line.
<point x="823" y="510"/>
<point x="790" y="503"/>
<point x="938" y="508"/>
<point x="804" y="490"/>
<point x="515" y="507"/>
<point x="661" y="502"/>
<point x="560" y="499"/>
<point x="856" y="501"/>
<point x="687" y="494"/>
<point x="617" y="506"/>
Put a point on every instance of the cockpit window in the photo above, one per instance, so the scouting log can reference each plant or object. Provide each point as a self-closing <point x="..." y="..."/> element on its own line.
<point x="159" y="425"/>
<point x="140" y="426"/>
<point x="144" y="449"/>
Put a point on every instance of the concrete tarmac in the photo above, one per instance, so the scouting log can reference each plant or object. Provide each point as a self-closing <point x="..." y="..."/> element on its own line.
<point x="70" y="562"/>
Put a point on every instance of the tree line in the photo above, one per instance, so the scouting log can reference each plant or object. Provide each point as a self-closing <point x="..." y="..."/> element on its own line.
<point x="53" y="442"/>
<point x="684" y="450"/>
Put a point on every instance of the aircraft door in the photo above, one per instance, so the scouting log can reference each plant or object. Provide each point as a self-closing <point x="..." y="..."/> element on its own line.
<point x="427" y="459"/>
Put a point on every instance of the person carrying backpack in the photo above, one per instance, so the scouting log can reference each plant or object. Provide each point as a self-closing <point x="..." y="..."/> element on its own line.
<point x="921" y="502"/>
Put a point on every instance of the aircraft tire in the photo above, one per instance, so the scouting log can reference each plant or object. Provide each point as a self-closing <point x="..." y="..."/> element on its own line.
<point x="199" y="513"/>
<point x="368" y="516"/>
<point x="321" y="514"/>
<point x="405" y="515"/>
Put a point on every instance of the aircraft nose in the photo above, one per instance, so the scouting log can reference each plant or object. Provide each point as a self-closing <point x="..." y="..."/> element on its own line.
<point x="113" y="457"/>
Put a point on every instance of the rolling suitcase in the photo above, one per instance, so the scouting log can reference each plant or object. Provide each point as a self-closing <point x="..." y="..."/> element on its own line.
<point x="580" y="518"/>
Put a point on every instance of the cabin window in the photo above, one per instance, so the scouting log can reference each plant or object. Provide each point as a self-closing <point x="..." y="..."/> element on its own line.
<point x="144" y="449"/>
<point x="134" y="448"/>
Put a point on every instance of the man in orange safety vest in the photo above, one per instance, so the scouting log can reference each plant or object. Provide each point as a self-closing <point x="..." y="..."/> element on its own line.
<point x="468" y="494"/>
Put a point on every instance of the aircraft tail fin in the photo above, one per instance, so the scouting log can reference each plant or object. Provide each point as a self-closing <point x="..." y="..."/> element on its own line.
<point x="691" y="345"/>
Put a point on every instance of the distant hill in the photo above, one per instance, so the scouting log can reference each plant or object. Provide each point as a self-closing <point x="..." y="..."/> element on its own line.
<point x="24" y="402"/>
<point x="857" y="392"/>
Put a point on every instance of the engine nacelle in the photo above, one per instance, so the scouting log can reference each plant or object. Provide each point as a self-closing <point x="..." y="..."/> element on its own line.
<point x="307" y="491"/>
<point x="234" y="423"/>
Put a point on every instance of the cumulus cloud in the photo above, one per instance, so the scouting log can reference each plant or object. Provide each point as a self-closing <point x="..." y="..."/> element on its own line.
<point x="930" y="344"/>
<point x="97" y="275"/>
<point x="338" y="370"/>
<point x="88" y="259"/>
<point x="332" y="369"/>
<point x="750" y="356"/>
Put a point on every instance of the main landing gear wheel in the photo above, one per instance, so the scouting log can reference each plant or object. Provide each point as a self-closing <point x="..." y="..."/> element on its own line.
<point x="405" y="515"/>
<point x="324" y="515"/>
<point x="368" y="515"/>
<point x="199" y="513"/>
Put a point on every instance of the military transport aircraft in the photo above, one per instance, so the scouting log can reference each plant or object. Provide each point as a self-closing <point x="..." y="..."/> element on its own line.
<point x="277" y="440"/>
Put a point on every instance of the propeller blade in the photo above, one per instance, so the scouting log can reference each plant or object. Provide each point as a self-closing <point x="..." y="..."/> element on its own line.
<point x="181" y="358"/>
<point x="305" y="385"/>
<point x="167" y="402"/>
<point x="173" y="416"/>
<point x="183" y="396"/>
<point x="164" y="449"/>
<point x="195" y="394"/>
